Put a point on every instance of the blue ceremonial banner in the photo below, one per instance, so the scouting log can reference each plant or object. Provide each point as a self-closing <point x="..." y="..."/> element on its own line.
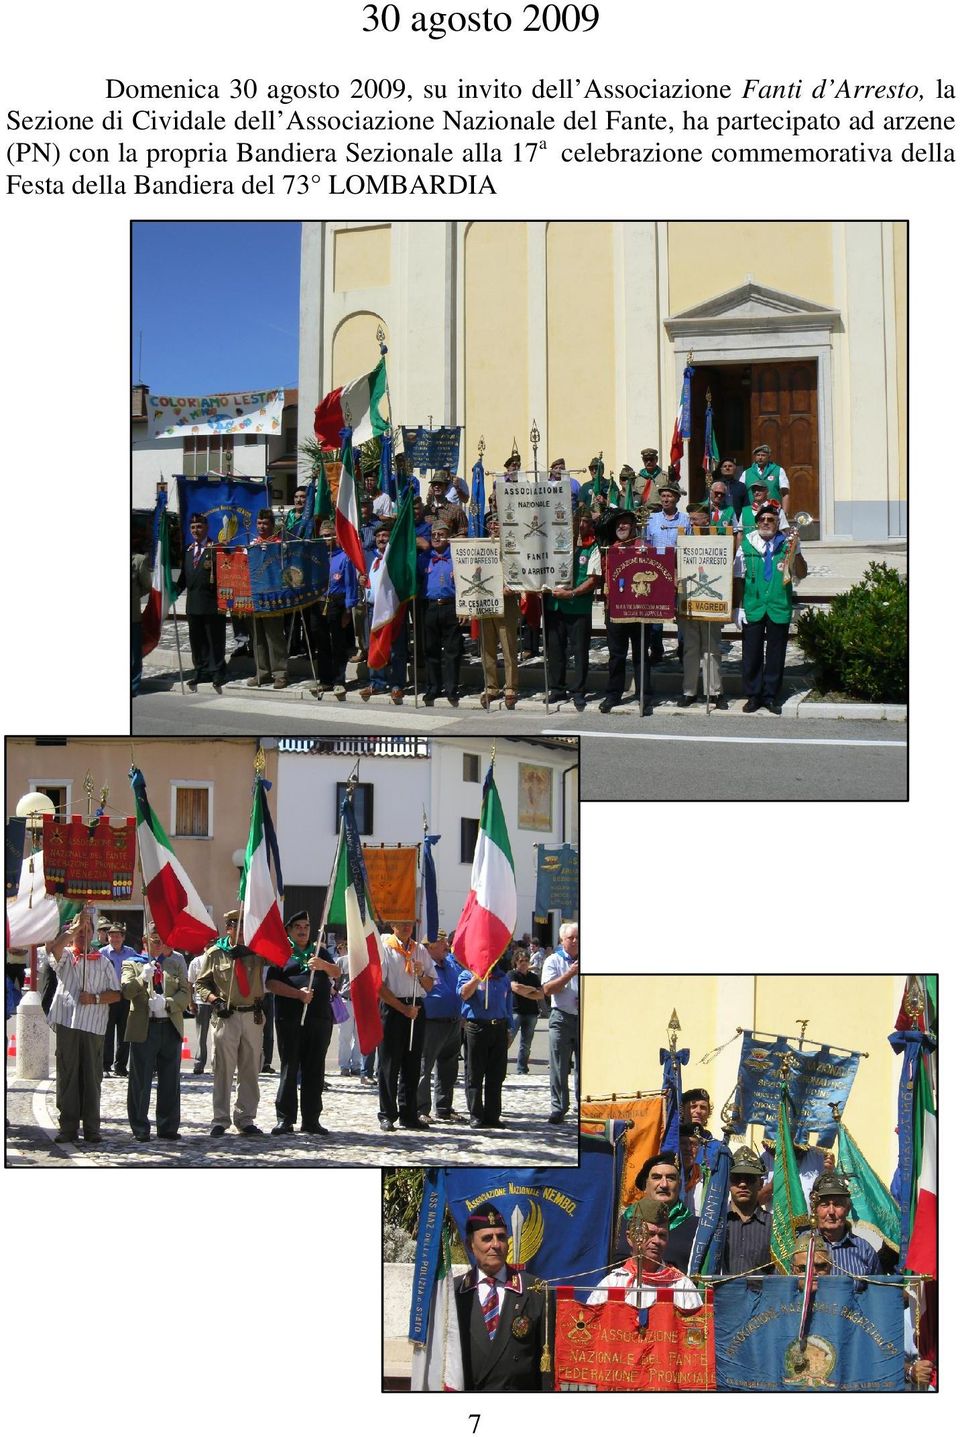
<point x="558" y="882"/>
<point x="564" y="1217"/>
<point x="432" y="448"/>
<point x="288" y="576"/>
<point x="477" y="508"/>
<point x="430" y="899"/>
<point x="818" y="1077"/>
<point x="854" y="1340"/>
<point x="707" y="1247"/>
<point x="229" y="506"/>
<point x="673" y="1084"/>
<point x="388" y="478"/>
<point x="685" y="421"/>
<point x="429" y="1236"/>
<point x="13" y="841"/>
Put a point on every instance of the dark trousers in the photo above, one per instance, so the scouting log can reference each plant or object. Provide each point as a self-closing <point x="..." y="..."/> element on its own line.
<point x="332" y="640"/>
<point x="443" y="644"/>
<point x="620" y="638"/>
<point x="159" y="1054"/>
<point x="764" y="655"/>
<point x="395" y="673"/>
<point x="303" y="1054"/>
<point x="268" y="1015"/>
<point x="567" y="634"/>
<point x="204" y="1011"/>
<point x="208" y="645"/>
<point x="117" y="1015"/>
<point x="400" y="1065"/>
<point x="486" y="1068"/>
<point x="79" y="1075"/>
<point x="441" y="1047"/>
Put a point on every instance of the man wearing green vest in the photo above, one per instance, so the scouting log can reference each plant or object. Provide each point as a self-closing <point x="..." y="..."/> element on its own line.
<point x="568" y="614"/>
<point x="767" y="608"/>
<point x="759" y="494"/>
<point x="778" y="485"/>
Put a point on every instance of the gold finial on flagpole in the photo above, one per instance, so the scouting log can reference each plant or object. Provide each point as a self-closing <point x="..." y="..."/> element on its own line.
<point x="260" y="763"/>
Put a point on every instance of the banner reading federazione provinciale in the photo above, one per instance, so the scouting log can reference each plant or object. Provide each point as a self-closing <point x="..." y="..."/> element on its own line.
<point x="536" y="533"/>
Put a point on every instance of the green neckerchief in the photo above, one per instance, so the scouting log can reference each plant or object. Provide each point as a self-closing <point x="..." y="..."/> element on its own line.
<point x="678" y="1214"/>
<point x="653" y="473"/>
<point x="302" y="956"/>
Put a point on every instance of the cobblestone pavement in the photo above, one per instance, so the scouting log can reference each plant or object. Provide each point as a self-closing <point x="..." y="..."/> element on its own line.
<point x="349" y="1111"/>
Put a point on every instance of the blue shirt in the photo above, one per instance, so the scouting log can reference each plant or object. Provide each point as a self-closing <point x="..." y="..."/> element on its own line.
<point x="435" y="572"/>
<point x="853" y="1255"/>
<point x="567" y="998"/>
<point x="443" y="1000"/>
<point x="662" y="532"/>
<point x="424" y="530"/>
<point x="125" y="951"/>
<point x="499" y="997"/>
<point x="343" y="579"/>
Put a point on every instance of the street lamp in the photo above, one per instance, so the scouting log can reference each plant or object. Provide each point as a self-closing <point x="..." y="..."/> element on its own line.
<point x="33" y="1037"/>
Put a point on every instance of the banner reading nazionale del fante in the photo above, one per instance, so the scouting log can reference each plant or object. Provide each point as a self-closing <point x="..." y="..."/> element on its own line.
<point x="179" y="416"/>
<point x="609" y="1348"/>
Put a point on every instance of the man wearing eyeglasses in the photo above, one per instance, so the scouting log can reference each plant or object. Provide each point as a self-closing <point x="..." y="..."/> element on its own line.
<point x="560" y="982"/>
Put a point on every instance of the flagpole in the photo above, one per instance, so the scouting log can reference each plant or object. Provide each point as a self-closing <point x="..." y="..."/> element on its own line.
<point x="423" y="847"/>
<point x="326" y="902"/>
<point x="416" y="687"/>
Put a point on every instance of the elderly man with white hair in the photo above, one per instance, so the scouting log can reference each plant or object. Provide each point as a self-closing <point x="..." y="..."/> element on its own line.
<point x="560" y="981"/>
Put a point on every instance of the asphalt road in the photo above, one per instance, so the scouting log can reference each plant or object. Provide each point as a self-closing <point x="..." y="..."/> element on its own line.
<point x="676" y="754"/>
<point x="738" y="756"/>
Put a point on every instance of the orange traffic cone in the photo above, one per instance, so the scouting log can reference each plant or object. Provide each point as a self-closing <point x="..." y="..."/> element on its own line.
<point x="185" y="1049"/>
<point x="12" y="1045"/>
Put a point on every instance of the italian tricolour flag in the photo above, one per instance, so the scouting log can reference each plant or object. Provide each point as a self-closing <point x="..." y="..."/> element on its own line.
<point x="397" y="584"/>
<point x="355" y="406"/>
<point x="175" y="906"/>
<point x="347" y="517"/>
<point x="263" y="929"/>
<point x="489" y="915"/>
<point x="161" y="593"/>
<point x="922" y="1252"/>
<point x="349" y="905"/>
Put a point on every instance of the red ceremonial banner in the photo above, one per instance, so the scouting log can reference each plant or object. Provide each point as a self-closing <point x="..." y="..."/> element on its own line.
<point x="641" y="584"/>
<point x="603" y="1349"/>
<point x="233" y="582"/>
<point x="84" y="860"/>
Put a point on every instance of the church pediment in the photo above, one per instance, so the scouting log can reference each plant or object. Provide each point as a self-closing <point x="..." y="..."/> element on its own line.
<point x="750" y="307"/>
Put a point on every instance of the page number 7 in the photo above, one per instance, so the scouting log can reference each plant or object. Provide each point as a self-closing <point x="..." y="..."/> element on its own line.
<point x="474" y="1417"/>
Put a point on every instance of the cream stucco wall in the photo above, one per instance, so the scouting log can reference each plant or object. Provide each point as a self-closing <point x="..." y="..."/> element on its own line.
<point x="625" y="1025"/>
<point x="495" y="347"/>
<point x="361" y="258"/>
<point x="356" y="347"/>
<point x="581" y="401"/>
<point x="708" y="258"/>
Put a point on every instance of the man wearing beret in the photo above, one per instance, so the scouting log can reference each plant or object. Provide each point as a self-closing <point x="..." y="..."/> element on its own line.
<point x="660" y="1178"/>
<point x="502" y="1315"/>
<point x="746" y="1243"/>
<point x="648" y="1222"/>
<point x="304" y="1025"/>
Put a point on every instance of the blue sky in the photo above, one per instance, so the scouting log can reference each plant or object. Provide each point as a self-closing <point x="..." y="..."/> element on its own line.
<point x="218" y="306"/>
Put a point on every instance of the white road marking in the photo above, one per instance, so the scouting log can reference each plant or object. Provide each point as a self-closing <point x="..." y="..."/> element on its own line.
<point x="692" y="738"/>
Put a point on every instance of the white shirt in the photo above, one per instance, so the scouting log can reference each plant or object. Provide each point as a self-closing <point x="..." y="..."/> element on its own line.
<point x="685" y="1295"/>
<point x="94" y="974"/>
<point x="384" y="507"/>
<point x="394" y="974"/>
<point x="484" y="1284"/>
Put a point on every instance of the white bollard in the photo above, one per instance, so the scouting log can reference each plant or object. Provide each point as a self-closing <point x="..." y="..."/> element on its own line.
<point x="33" y="1039"/>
